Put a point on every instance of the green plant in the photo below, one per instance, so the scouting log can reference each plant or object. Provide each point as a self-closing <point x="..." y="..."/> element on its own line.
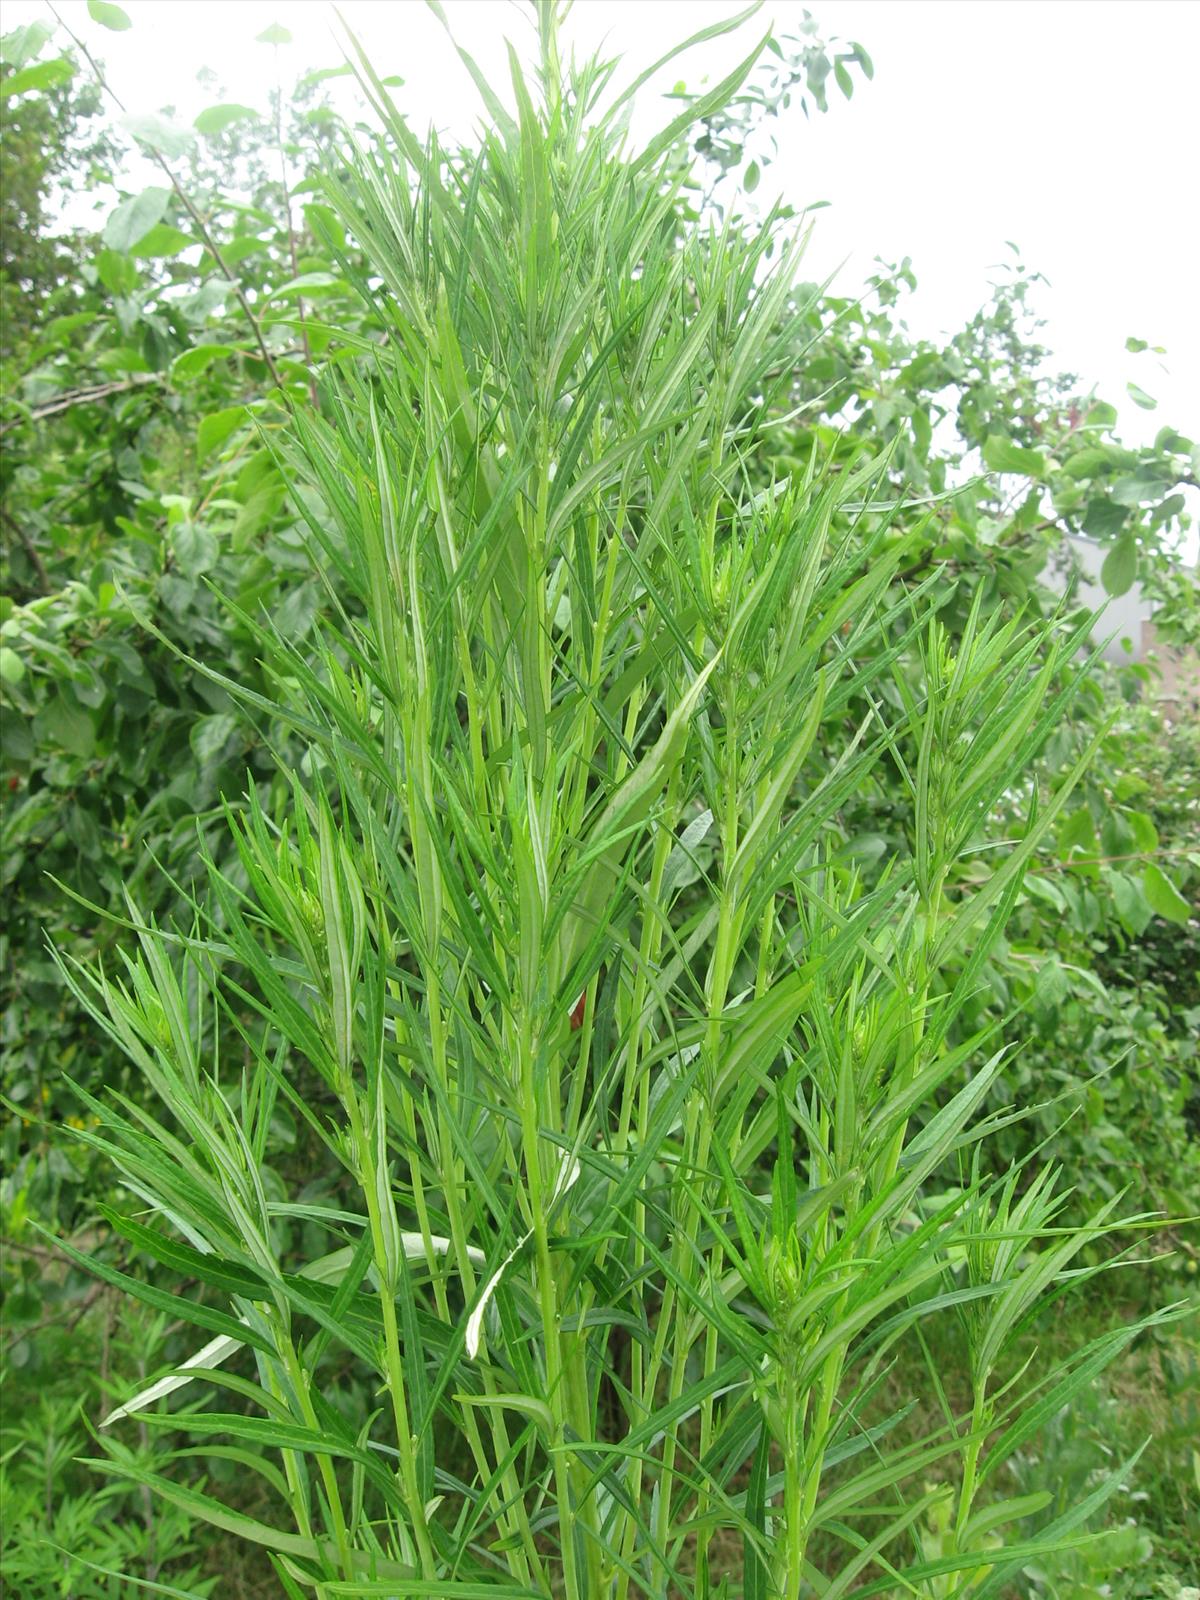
<point x="633" y="1087"/>
<point x="1102" y="957"/>
<point x="63" y="1533"/>
<point x="1147" y="1548"/>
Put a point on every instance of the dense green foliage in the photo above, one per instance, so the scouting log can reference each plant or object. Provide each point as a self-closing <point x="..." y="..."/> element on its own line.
<point x="656" y="830"/>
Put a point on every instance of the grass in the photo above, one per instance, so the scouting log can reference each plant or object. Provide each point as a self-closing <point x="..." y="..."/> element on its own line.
<point x="637" y="1101"/>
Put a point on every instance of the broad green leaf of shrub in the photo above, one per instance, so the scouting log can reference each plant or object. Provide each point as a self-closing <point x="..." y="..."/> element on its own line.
<point x="1078" y="832"/>
<point x="242" y="248"/>
<point x="117" y="271"/>
<point x="1162" y="895"/>
<point x="133" y="219"/>
<point x="210" y="735"/>
<point x="165" y="138"/>
<point x="308" y="283"/>
<point x="1133" y="908"/>
<point x="215" y="119"/>
<point x="1104" y="518"/>
<point x="65" y="722"/>
<point x="161" y="241"/>
<point x="1140" y="398"/>
<point x="1144" y="831"/>
<point x="46" y="75"/>
<point x="108" y="15"/>
<point x="1002" y="455"/>
<point x="193" y="363"/>
<point x="123" y="359"/>
<point x="24" y="45"/>
<point x="1116" y="835"/>
<point x="196" y="548"/>
<point x="215" y="428"/>
<point x="1119" y="569"/>
<point x="1087" y="463"/>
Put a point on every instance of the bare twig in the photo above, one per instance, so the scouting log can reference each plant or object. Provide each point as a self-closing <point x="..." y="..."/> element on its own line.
<point x="71" y="1315"/>
<point x="291" y="231"/>
<point x="30" y="549"/>
<point x="80" y="397"/>
<point x="40" y="1252"/>
<point x="1073" y="863"/>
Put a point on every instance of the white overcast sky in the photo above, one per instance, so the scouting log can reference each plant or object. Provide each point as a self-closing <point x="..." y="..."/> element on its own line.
<point x="1067" y="126"/>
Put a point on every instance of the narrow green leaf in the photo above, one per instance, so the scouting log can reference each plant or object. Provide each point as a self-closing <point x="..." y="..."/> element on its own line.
<point x="757" y="1576"/>
<point x="205" y="1509"/>
<point x="699" y="109"/>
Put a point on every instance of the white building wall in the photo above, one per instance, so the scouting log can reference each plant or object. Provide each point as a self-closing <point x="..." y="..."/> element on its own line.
<point x="1124" y="615"/>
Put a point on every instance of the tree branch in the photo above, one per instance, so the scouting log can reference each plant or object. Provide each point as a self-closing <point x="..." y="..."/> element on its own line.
<point x="80" y="397"/>
<point x="30" y="549"/>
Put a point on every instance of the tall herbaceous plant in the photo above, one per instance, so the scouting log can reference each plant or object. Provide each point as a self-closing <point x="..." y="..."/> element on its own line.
<point x="635" y="1097"/>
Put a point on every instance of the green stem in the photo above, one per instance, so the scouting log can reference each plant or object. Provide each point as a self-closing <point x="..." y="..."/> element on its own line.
<point x="548" y="1304"/>
<point x="810" y="1469"/>
<point x="299" y="1381"/>
<point x="393" y="1359"/>
<point x="793" y="1512"/>
<point x="969" y="1485"/>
